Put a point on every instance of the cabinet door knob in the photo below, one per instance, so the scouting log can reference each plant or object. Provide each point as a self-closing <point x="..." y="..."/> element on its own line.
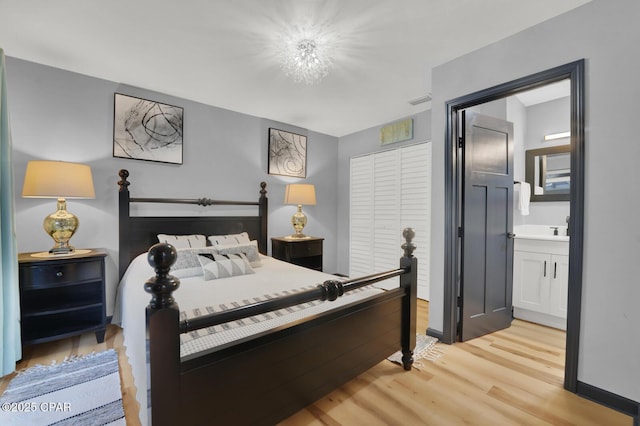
<point x="59" y="274"/>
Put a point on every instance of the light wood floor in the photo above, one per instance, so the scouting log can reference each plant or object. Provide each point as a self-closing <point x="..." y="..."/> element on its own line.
<point x="512" y="377"/>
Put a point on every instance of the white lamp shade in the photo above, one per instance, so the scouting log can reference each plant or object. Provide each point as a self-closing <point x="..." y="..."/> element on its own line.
<point x="57" y="179"/>
<point x="300" y="193"/>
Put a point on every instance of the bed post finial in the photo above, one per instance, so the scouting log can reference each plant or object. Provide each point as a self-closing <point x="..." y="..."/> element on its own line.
<point x="161" y="256"/>
<point x="408" y="247"/>
<point x="123" y="182"/>
<point x="263" y="189"/>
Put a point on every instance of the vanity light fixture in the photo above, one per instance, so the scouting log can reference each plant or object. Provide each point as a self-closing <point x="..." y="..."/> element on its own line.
<point x="557" y="136"/>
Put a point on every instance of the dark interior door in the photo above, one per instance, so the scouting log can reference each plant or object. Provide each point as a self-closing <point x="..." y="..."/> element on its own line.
<point x="487" y="225"/>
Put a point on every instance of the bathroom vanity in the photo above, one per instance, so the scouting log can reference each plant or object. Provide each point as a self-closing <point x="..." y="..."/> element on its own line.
<point x="540" y="275"/>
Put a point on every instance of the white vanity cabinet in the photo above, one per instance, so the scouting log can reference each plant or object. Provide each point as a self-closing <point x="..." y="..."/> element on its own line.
<point x="540" y="281"/>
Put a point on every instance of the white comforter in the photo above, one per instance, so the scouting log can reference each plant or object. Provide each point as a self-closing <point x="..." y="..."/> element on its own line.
<point x="273" y="276"/>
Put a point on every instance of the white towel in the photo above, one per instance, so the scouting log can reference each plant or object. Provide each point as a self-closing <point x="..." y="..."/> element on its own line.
<point x="524" y="197"/>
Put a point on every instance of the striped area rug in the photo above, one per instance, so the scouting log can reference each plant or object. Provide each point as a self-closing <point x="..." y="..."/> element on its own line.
<point x="84" y="390"/>
<point x="426" y="348"/>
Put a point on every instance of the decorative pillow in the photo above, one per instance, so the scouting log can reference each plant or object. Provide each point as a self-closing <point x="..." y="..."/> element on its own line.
<point x="216" y="266"/>
<point x="187" y="263"/>
<point x="183" y="241"/>
<point x="242" y="238"/>
<point x="250" y="250"/>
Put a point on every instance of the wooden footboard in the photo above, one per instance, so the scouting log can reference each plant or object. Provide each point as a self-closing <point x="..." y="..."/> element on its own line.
<point x="266" y="378"/>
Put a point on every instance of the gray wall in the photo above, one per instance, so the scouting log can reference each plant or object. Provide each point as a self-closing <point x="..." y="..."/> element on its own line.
<point x="605" y="33"/>
<point x="544" y="119"/>
<point x="365" y="142"/>
<point x="59" y="115"/>
<point x="516" y="113"/>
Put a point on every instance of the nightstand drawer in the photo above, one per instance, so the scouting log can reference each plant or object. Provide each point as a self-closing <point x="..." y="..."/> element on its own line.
<point x="43" y="276"/>
<point x="311" y="248"/>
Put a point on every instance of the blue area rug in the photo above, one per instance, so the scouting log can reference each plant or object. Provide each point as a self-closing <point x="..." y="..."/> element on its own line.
<point x="83" y="390"/>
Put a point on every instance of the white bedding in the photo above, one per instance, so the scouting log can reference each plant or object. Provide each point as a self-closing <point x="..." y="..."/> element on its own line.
<point x="273" y="276"/>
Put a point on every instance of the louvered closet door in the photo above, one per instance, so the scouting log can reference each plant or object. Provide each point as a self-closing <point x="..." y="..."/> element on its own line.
<point x="415" y="206"/>
<point x="386" y="203"/>
<point x="361" y="259"/>
<point x="390" y="191"/>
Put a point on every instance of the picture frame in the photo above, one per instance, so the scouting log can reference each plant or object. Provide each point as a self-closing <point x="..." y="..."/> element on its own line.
<point x="287" y="154"/>
<point x="147" y="130"/>
<point x="399" y="131"/>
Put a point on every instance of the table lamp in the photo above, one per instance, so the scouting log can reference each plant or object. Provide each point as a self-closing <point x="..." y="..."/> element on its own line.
<point x="299" y="193"/>
<point x="61" y="180"/>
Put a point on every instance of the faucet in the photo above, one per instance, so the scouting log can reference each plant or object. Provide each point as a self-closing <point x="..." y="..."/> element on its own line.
<point x="567" y="233"/>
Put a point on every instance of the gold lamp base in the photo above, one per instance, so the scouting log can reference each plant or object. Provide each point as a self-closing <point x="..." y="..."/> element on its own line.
<point x="298" y="220"/>
<point x="61" y="226"/>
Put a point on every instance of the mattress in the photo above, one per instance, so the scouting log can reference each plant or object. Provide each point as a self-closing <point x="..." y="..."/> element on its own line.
<point x="197" y="295"/>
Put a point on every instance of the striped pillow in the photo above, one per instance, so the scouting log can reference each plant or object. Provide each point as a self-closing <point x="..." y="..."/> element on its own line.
<point x="183" y="241"/>
<point x="215" y="266"/>
<point x="241" y="238"/>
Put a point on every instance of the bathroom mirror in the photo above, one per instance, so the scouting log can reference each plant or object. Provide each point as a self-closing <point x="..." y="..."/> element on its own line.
<point x="548" y="171"/>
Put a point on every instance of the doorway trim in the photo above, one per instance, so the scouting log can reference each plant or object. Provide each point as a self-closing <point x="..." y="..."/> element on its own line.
<point x="575" y="72"/>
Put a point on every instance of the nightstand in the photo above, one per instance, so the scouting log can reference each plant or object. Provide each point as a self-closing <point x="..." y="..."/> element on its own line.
<point x="305" y="252"/>
<point x="62" y="296"/>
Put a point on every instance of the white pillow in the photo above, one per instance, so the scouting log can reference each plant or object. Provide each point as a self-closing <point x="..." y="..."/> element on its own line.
<point x="250" y="250"/>
<point x="215" y="266"/>
<point x="183" y="241"/>
<point x="242" y="238"/>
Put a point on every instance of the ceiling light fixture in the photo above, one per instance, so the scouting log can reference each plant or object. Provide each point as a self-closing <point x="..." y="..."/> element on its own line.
<point x="306" y="59"/>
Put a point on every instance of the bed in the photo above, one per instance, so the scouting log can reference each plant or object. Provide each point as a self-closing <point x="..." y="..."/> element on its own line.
<point x="253" y="348"/>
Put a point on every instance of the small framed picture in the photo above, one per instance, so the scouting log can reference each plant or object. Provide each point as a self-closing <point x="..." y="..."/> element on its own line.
<point x="287" y="154"/>
<point x="147" y="130"/>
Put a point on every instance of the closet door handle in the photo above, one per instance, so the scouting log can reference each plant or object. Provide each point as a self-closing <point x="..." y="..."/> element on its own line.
<point x="545" y="269"/>
<point x="555" y="269"/>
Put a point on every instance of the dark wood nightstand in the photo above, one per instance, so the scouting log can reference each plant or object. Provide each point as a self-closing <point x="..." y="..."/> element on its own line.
<point x="305" y="252"/>
<point x="62" y="296"/>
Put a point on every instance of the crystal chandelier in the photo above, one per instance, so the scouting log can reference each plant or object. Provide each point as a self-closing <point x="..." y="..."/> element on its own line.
<point x="306" y="60"/>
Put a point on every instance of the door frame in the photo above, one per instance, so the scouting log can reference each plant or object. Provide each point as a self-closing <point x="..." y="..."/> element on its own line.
<point x="575" y="71"/>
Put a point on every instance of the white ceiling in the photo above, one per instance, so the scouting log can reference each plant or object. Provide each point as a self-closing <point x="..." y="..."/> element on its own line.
<point x="225" y="53"/>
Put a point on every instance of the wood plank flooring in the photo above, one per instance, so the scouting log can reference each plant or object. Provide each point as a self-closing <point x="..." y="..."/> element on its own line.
<point x="512" y="377"/>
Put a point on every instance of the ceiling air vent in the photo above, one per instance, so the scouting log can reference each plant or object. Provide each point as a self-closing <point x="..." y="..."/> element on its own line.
<point x="421" y="100"/>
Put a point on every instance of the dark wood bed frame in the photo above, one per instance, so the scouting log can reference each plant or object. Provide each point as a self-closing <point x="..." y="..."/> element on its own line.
<point x="265" y="378"/>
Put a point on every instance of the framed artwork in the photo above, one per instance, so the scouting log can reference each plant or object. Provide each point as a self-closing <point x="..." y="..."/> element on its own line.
<point x="397" y="132"/>
<point x="147" y="130"/>
<point x="287" y="154"/>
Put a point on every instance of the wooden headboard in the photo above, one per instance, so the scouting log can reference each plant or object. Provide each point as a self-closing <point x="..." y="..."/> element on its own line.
<point x="138" y="233"/>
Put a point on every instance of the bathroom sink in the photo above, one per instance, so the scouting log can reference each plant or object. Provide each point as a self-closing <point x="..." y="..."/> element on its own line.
<point x="541" y="232"/>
